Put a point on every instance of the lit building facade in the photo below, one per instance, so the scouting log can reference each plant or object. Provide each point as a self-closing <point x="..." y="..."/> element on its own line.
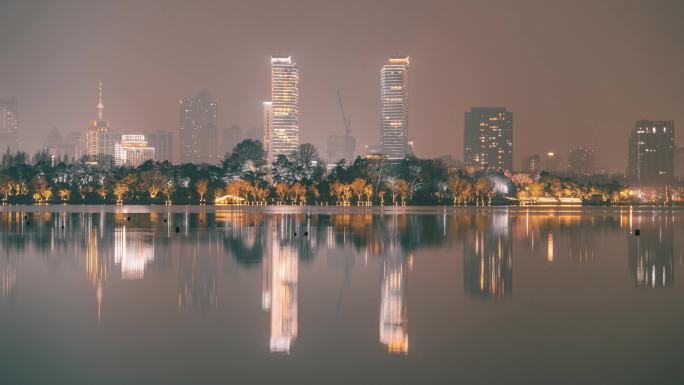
<point x="488" y="138"/>
<point x="268" y="131"/>
<point x="132" y="151"/>
<point x="651" y="153"/>
<point x="284" y="128"/>
<point x="581" y="161"/>
<point x="198" y="130"/>
<point x="394" y="108"/>
<point x="9" y="124"/>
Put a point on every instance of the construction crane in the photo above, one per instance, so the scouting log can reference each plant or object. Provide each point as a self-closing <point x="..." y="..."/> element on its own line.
<point x="347" y="123"/>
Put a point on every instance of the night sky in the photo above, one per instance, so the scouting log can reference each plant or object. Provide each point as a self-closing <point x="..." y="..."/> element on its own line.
<point x="573" y="72"/>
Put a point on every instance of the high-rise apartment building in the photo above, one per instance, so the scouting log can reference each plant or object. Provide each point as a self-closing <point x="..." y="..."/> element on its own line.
<point x="394" y="108"/>
<point x="284" y="130"/>
<point x="198" y="130"/>
<point x="581" y="161"/>
<point x="162" y="141"/>
<point x="9" y="124"/>
<point x="488" y="138"/>
<point x="651" y="153"/>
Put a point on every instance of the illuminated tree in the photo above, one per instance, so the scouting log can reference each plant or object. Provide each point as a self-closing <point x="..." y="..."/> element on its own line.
<point x="202" y="186"/>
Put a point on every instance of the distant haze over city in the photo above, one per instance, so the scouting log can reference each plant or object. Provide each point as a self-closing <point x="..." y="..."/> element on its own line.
<point x="578" y="73"/>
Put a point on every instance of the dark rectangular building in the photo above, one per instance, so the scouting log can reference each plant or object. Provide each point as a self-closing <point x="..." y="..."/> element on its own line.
<point x="488" y="138"/>
<point x="651" y="153"/>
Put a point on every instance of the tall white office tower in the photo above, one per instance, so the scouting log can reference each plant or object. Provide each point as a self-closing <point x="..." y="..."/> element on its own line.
<point x="394" y="110"/>
<point x="284" y="130"/>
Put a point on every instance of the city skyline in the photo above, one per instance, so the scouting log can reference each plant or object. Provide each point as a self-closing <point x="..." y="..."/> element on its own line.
<point x="560" y="97"/>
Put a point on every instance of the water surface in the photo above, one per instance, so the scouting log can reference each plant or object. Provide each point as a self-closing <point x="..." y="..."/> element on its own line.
<point x="166" y="295"/>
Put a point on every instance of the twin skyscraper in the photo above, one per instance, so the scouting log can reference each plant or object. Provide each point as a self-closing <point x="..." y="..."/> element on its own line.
<point x="281" y="113"/>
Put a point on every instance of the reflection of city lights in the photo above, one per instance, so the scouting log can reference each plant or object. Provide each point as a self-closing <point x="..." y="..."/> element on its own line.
<point x="393" y="313"/>
<point x="133" y="250"/>
<point x="549" y="247"/>
<point x="281" y="295"/>
<point x="7" y="281"/>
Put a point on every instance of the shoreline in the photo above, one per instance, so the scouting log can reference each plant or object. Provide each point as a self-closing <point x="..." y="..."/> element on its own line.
<point x="284" y="209"/>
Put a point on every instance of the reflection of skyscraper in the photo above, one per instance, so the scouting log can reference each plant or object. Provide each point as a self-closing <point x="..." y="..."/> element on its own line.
<point x="651" y="259"/>
<point x="393" y="309"/>
<point x="8" y="278"/>
<point x="280" y="293"/>
<point x="487" y="259"/>
<point x="133" y="250"/>
<point x="197" y="281"/>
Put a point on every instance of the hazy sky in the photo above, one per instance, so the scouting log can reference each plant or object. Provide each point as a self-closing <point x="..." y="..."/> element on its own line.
<point x="573" y="72"/>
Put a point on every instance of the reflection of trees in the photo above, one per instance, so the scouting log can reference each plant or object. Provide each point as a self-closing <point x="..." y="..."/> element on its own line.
<point x="651" y="260"/>
<point x="487" y="258"/>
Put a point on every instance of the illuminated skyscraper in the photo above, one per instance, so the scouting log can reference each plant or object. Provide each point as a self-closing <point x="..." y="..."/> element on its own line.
<point x="198" y="129"/>
<point x="488" y="138"/>
<point x="284" y="129"/>
<point x="394" y="108"/>
<point x="268" y="131"/>
<point x="9" y="124"/>
<point x="651" y="153"/>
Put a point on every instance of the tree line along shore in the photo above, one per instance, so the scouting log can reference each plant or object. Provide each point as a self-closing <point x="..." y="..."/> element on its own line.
<point x="245" y="177"/>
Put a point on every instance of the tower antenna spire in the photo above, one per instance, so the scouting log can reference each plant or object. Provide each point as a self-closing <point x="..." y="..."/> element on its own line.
<point x="100" y="106"/>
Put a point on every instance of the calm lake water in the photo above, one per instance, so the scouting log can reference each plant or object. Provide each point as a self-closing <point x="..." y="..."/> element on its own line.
<point x="140" y="295"/>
